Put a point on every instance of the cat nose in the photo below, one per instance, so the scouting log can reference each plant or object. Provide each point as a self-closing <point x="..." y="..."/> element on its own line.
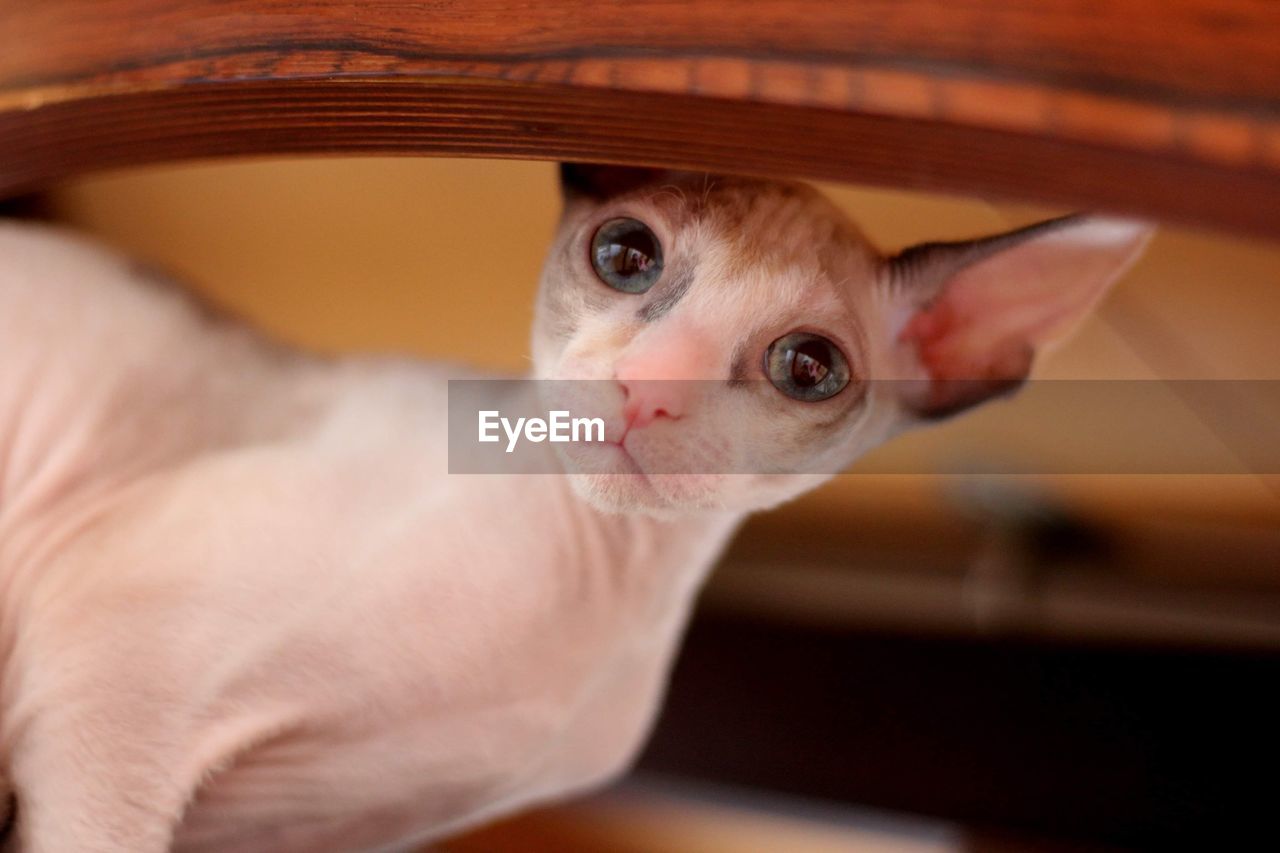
<point x="661" y="372"/>
<point x="647" y="400"/>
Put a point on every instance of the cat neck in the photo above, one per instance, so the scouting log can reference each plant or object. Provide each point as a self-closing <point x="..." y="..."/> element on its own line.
<point x="657" y="563"/>
<point x="645" y="559"/>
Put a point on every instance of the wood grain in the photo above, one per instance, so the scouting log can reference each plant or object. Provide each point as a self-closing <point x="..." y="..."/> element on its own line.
<point x="1169" y="109"/>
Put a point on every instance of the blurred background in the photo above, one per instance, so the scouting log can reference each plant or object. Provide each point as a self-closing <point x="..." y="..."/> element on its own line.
<point x="934" y="661"/>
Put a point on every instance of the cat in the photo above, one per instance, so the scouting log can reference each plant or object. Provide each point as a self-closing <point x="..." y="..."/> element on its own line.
<point x="245" y="607"/>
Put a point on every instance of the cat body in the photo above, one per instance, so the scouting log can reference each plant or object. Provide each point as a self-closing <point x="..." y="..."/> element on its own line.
<point x="246" y="607"/>
<point x="374" y="666"/>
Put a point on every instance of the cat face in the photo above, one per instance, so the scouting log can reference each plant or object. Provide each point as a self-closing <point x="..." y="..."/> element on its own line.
<point x="738" y="336"/>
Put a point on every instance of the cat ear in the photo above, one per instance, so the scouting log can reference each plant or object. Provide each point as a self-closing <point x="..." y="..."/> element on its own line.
<point x="600" y="182"/>
<point x="978" y="312"/>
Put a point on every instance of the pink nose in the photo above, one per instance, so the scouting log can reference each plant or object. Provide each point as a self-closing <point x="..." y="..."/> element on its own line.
<point x="660" y="373"/>
<point x="647" y="400"/>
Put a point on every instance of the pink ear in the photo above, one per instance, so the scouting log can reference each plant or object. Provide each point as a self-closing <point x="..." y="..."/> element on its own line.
<point x="982" y="310"/>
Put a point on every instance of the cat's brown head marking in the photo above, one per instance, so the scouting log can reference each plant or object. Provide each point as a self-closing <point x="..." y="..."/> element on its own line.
<point x="747" y="341"/>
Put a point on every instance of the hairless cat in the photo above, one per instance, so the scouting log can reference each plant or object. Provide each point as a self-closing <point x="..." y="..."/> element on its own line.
<point x="244" y="606"/>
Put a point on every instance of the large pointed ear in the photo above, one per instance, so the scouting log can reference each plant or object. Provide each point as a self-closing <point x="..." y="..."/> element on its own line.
<point x="978" y="312"/>
<point x="588" y="180"/>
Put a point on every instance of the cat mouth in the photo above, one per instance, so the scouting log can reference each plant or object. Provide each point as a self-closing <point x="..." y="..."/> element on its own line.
<point x="620" y="449"/>
<point x="610" y="458"/>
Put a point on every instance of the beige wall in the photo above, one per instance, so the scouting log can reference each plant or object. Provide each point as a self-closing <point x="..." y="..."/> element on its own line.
<point x="440" y="258"/>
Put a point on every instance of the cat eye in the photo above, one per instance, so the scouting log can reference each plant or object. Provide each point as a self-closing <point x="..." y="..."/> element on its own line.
<point x="626" y="255"/>
<point x="806" y="367"/>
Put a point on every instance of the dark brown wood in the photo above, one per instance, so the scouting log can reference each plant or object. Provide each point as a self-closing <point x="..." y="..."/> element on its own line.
<point x="1168" y="108"/>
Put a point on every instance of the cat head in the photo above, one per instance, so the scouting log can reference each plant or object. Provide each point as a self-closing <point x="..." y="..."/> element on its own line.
<point x="744" y="341"/>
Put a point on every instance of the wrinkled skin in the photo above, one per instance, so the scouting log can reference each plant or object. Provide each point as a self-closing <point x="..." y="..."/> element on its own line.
<point x="244" y="605"/>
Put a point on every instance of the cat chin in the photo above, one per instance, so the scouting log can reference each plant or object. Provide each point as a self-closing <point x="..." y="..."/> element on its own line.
<point x="670" y="496"/>
<point x="658" y="495"/>
<point x="615" y="482"/>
